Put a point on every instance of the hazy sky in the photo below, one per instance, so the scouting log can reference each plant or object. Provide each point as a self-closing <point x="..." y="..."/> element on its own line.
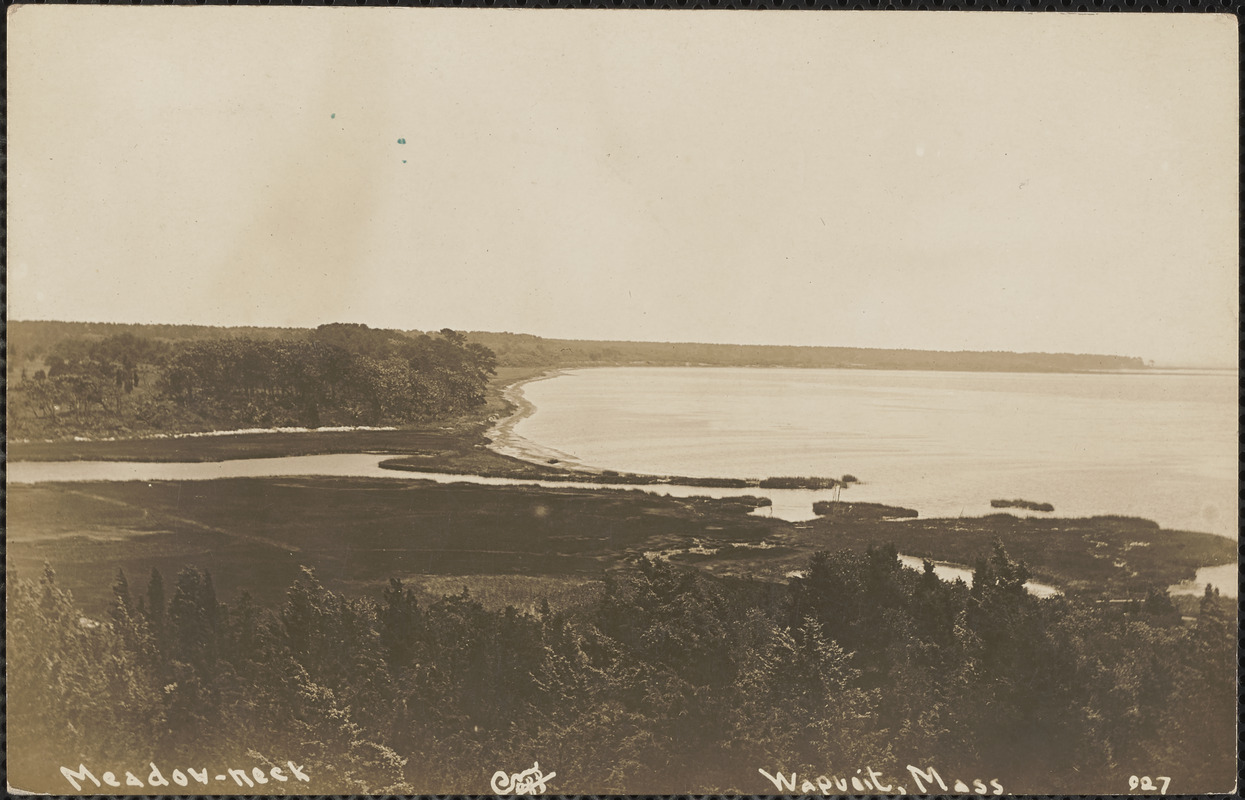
<point x="943" y="180"/>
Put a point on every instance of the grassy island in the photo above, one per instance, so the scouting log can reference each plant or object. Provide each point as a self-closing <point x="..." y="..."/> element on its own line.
<point x="1027" y="505"/>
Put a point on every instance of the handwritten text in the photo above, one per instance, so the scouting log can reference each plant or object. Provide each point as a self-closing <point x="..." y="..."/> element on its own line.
<point x="871" y="781"/>
<point x="256" y="776"/>
<point x="529" y="781"/>
<point x="1147" y="784"/>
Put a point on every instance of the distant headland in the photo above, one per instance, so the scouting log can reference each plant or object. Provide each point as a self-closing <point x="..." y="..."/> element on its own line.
<point x="523" y="350"/>
<point x="526" y="350"/>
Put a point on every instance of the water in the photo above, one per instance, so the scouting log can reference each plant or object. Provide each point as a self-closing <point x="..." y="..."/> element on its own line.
<point x="794" y="505"/>
<point x="951" y="572"/>
<point x="791" y="504"/>
<point x="1223" y="577"/>
<point x="1156" y="444"/>
<point x="358" y="465"/>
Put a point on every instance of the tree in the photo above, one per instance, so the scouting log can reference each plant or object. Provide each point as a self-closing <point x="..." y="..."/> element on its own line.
<point x="399" y="624"/>
<point x="155" y="603"/>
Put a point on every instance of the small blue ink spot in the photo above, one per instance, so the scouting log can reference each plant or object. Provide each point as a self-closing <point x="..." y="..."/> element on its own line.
<point x="332" y="116"/>
<point x="402" y="141"/>
<point x="404" y="161"/>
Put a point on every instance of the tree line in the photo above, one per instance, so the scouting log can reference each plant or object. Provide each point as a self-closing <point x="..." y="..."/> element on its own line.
<point x="30" y="340"/>
<point x="666" y="681"/>
<point x="337" y="374"/>
<point x="525" y="350"/>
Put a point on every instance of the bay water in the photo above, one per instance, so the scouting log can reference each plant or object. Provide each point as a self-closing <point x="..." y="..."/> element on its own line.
<point x="1158" y="445"/>
<point x="1155" y="444"/>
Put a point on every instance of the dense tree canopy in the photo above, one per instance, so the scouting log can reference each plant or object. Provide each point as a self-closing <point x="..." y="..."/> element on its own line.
<point x="667" y="681"/>
<point x="335" y="375"/>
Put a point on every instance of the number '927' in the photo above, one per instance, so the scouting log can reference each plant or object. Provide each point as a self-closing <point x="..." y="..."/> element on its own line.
<point x="1145" y="783"/>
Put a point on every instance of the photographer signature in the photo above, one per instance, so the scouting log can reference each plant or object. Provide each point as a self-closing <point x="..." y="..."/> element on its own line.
<point x="529" y="781"/>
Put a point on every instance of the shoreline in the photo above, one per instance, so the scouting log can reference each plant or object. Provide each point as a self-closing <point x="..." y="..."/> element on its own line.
<point x="503" y="441"/>
<point x="478" y="444"/>
<point x="570" y="469"/>
<point x="501" y="438"/>
<point x="212" y="433"/>
<point x="1102" y="558"/>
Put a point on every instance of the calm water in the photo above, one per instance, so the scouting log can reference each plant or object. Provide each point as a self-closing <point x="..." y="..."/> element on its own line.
<point x="1155" y="445"/>
<point x="794" y="505"/>
<point x="1159" y="445"/>
<point x="790" y="504"/>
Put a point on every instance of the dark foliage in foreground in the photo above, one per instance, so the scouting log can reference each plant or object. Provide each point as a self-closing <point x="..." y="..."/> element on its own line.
<point x="668" y="681"/>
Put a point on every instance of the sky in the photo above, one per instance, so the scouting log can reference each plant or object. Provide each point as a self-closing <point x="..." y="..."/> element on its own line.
<point x="1030" y="182"/>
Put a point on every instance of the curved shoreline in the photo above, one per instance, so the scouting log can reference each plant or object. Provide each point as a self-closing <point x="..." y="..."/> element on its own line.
<point x="502" y="439"/>
<point x="452" y="447"/>
<point x="601" y="442"/>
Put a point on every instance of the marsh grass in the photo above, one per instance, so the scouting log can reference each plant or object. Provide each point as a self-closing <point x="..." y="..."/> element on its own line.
<point x="496" y="592"/>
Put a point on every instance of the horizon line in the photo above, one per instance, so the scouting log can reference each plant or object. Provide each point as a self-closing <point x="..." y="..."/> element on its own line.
<point x="1149" y="363"/>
